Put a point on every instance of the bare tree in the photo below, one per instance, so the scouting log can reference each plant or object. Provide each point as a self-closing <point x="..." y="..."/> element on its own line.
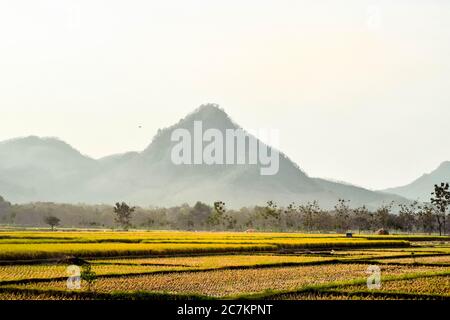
<point x="342" y="215"/>
<point x="383" y="215"/>
<point x="407" y="215"/>
<point x="291" y="217"/>
<point x="309" y="212"/>
<point x="362" y="218"/>
<point x="272" y="214"/>
<point x="425" y="218"/>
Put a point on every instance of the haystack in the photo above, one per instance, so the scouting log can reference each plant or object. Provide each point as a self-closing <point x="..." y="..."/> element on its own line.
<point x="382" y="232"/>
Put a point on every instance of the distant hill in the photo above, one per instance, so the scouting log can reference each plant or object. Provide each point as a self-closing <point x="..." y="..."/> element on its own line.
<point x="47" y="169"/>
<point x="422" y="187"/>
<point x="34" y="168"/>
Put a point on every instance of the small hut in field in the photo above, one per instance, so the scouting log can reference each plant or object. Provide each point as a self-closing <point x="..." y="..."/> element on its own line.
<point x="382" y="232"/>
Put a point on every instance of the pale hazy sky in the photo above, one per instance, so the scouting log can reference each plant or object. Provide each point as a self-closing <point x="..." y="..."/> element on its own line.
<point x="360" y="90"/>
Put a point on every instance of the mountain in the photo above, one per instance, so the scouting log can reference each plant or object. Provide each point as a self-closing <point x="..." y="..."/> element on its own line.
<point x="421" y="188"/>
<point x="34" y="168"/>
<point x="48" y="169"/>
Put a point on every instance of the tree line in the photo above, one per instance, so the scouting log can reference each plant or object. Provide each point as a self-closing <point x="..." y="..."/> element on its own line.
<point x="413" y="217"/>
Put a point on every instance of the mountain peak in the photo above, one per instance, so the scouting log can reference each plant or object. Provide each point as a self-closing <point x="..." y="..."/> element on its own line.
<point x="210" y="114"/>
<point x="208" y="111"/>
<point x="420" y="188"/>
<point x="35" y="141"/>
<point x="209" y="107"/>
<point x="31" y="146"/>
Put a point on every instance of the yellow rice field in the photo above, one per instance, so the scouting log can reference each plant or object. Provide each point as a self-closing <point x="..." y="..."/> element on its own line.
<point x="170" y="264"/>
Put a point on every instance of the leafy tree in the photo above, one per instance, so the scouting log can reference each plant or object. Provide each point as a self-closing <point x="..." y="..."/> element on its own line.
<point x="124" y="214"/>
<point x="441" y="200"/>
<point x="217" y="215"/>
<point x="52" y="221"/>
<point x="199" y="214"/>
<point x="5" y="210"/>
<point x="88" y="275"/>
<point x="272" y="214"/>
<point x="272" y="210"/>
<point x="4" y="205"/>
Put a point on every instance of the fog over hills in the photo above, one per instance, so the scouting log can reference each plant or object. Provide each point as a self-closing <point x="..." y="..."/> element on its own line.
<point x="33" y="169"/>
<point x="47" y="169"/>
<point x="422" y="187"/>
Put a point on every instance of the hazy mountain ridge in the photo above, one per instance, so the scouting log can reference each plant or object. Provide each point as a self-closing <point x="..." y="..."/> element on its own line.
<point x="34" y="168"/>
<point x="54" y="171"/>
<point x="421" y="188"/>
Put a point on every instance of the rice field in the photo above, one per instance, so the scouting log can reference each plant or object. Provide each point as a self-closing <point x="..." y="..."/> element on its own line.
<point x="219" y="261"/>
<point x="439" y="285"/>
<point x="224" y="265"/>
<point x="223" y="283"/>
